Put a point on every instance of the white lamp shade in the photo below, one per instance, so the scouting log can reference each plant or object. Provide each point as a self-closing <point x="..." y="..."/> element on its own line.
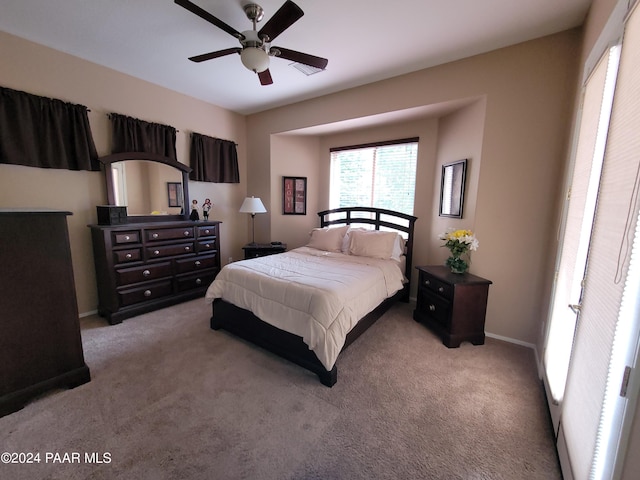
<point x="252" y="205"/>
<point x="255" y="59"/>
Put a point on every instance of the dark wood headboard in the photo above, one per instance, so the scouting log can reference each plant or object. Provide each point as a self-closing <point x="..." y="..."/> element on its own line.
<point x="389" y="220"/>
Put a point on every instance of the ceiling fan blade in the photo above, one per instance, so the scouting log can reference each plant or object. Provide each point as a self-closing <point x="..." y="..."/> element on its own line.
<point x="210" y="55"/>
<point x="265" y="77"/>
<point x="193" y="8"/>
<point x="288" y="14"/>
<point x="300" y="57"/>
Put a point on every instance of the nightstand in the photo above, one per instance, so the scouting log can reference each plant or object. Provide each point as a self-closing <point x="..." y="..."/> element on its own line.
<point x="263" y="249"/>
<point x="452" y="305"/>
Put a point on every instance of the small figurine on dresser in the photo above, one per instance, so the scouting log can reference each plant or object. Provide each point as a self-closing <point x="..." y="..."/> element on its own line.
<point x="206" y="206"/>
<point x="194" y="211"/>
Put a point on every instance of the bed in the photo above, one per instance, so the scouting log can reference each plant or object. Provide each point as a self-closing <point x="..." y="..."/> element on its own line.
<point x="310" y="303"/>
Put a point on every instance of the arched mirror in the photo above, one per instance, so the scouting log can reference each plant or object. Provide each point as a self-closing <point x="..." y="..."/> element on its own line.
<point x="152" y="187"/>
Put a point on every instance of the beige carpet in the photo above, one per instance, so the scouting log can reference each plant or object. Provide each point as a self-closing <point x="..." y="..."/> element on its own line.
<point x="171" y="399"/>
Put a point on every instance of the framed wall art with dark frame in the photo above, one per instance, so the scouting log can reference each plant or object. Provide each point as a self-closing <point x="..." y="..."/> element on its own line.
<point x="174" y="194"/>
<point x="294" y="195"/>
<point x="452" y="189"/>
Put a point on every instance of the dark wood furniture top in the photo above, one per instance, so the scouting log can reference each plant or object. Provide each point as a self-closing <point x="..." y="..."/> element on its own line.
<point x="256" y="250"/>
<point x="142" y="267"/>
<point x="452" y="305"/>
<point x="40" y="343"/>
<point x="248" y="326"/>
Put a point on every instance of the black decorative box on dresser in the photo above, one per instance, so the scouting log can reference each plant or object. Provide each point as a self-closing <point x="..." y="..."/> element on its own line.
<point x="40" y="343"/>
<point x="452" y="305"/>
<point x="141" y="267"/>
<point x="256" y="250"/>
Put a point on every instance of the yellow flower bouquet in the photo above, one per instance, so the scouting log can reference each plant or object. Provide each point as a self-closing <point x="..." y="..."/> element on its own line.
<point x="459" y="243"/>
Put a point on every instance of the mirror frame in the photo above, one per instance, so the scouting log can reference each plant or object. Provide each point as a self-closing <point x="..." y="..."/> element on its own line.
<point x="107" y="160"/>
<point x="455" y="197"/>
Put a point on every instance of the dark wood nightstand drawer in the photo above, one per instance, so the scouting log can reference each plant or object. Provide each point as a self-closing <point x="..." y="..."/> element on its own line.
<point x="435" y="285"/>
<point x="263" y="249"/>
<point x="435" y="307"/>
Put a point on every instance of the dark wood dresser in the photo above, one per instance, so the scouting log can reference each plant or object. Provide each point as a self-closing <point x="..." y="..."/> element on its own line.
<point x="452" y="305"/>
<point x="256" y="250"/>
<point x="142" y="267"/>
<point x="40" y="343"/>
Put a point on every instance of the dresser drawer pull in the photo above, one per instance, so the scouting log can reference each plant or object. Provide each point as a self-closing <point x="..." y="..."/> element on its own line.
<point x="427" y="282"/>
<point x="147" y="293"/>
<point x="441" y="289"/>
<point x="198" y="281"/>
<point x="146" y="273"/>
<point x="198" y="263"/>
<point x="127" y="237"/>
<point x="207" y="231"/>
<point x="186" y="233"/>
<point x="155" y="235"/>
<point x="128" y="256"/>
<point x="432" y="308"/>
<point x="156" y="252"/>
<point x="208" y="245"/>
<point x="186" y="249"/>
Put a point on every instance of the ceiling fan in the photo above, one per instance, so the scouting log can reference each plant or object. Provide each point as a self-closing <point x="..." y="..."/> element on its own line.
<point x="256" y="44"/>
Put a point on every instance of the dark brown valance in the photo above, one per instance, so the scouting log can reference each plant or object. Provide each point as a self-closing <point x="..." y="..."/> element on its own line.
<point x="213" y="160"/>
<point x="133" y="135"/>
<point x="44" y="132"/>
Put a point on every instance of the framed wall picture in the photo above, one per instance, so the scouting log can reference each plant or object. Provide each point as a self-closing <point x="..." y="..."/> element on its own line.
<point x="174" y="194"/>
<point x="452" y="189"/>
<point x="294" y="195"/>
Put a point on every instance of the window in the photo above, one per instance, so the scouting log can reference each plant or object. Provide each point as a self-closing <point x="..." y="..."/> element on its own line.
<point x="380" y="175"/>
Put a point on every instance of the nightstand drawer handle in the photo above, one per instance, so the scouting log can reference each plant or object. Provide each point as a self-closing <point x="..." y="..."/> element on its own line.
<point x="128" y="256"/>
<point x="156" y="252"/>
<point x="155" y="235"/>
<point x="147" y="293"/>
<point x="146" y="273"/>
<point x="186" y="233"/>
<point x="441" y="289"/>
<point x="432" y="308"/>
<point x="427" y="282"/>
<point x="198" y="263"/>
<point x="186" y="249"/>
<point x="198" y="281"/>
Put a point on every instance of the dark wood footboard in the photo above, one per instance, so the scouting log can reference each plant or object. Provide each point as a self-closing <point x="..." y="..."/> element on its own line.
<point x="246" y="325"/>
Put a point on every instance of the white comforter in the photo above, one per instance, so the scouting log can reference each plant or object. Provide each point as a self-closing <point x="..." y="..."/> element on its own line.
<point x="317" y="295"/>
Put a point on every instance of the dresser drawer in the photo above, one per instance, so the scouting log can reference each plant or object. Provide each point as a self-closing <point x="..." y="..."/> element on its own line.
<point x="159" y="251"/>
<point x="129" y="255"/>
<point x="122" y="238"/>
<point x="207" y="246"/>
<point x="125" y="276"/>
<point x="193" y="264"/>
<point x="436" y="286"/>
<point x="132" y="296"/>
<point x="208" y="231"/>
<point x="190" y="282"/>
<point x="160" y="234"/>
<point x="434" y="306"/>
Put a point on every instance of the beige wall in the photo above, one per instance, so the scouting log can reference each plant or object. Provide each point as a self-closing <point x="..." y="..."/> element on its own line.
<point x="517" y="139"/>
<point x="42" y="71"/>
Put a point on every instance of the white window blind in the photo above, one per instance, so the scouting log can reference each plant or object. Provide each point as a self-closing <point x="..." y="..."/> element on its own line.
<point x="586" y="422"/>
<point x="581" y="201"/>
<point x="375" y="175"/>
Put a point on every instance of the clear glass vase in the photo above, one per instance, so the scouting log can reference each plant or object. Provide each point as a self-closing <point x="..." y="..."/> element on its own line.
<point x="457" y="264"/>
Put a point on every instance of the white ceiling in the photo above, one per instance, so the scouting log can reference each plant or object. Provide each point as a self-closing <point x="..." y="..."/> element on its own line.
<point x="365" y="41"/>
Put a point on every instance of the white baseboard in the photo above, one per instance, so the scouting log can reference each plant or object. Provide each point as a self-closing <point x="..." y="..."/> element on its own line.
<point x="88" y="314"/>
<point x="518" y="342"/>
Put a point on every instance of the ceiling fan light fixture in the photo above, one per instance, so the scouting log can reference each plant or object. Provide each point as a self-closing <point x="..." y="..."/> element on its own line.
<point x="255" y="59"/>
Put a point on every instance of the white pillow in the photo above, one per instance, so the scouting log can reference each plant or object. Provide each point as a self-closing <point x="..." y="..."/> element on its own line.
<point x="328" y="239"/>
<point x="347" y="237"/>
<point x="373" y="243"/>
